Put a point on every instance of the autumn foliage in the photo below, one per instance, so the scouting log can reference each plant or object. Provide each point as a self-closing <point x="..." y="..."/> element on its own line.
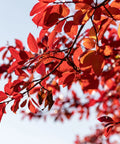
<point x="79" y="43"/>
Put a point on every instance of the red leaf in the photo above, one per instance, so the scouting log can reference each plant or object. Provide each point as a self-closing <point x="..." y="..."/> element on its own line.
<point x="23" y="55"/>
<point x="105" y="119"/>
<point x="49" y="100"/>
<point x="88" y="43"/>
<point x="14" y="53"/>
<point x="2" y="110"/>
<point x="51" y="39"/>
<point x="64" y="67"/>
<point x="78" y="17"/>
<point x="58" y="27"/>
<point x="51" y="19"/>
<point x="35" y="102"/>
<point x="3" y="96"/>
<point x="39" y="19"/>
<point x="15" y="106"/>
<point x="65" y="10"/>
<point x="107" y="131"/>
<point x="67" y="79"/>
<point x="31" y="107"/>
<point x="97" y="14"/>
<point x="91" y="59"/>
<point x="2" y="48"/>
<point x="21" y="73"/>
<point x="37" y="8"/>
<point x="41" y="69"/>
<point x="42" y="34"/>
<point x="13" y="67"/>
<point x="32" y="43"/>
<point x="76" y="56"/>
<point x="70" y="29"/>
<point x="23" y="103"/>
<point x="7" y="88"/>
<point x="19" y="44"/>
<point x="3" y="68"/>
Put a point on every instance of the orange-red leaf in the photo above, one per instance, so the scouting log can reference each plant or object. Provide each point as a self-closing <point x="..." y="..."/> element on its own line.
<point x="32" y="43"/>
<point x="51" y="39"/>
<point x="19" y="44"/>
<point x="31" y="107"/>
<point x="65" y="10"/>
<point x="78" y="17"/>
<point x="41" y="69"/>
<point x="14" y="53"/>
<point x="97" y="14"/>
<point x="51" y="19"/>
<point x="88" y="43"/>
<point x="58" y="27"/>
<point x="94" y="60"/>
<point x="87" y="58"/>
<point x="98" y="64"/>
<point x="67" y="79"/>
<point x="76" y="56"/>
<point x="64" y="67"/>
<point x="3" y="96"/>
<point x="70" y="29"/>
<point x="107" y="131"/>
<point x="37" y="8"/>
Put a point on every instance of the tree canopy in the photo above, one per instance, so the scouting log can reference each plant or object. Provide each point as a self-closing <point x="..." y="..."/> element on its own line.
<point x="78" y="44"/>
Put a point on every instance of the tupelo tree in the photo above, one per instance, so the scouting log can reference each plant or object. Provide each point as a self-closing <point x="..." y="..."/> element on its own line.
<point x="78" y="44"/>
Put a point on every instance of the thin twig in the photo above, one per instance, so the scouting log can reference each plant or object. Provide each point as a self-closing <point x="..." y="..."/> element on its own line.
<point x="109" y="13"/>
<point x="102" y="4"/>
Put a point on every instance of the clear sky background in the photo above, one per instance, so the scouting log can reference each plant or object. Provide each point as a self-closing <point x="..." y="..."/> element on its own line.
<point x="15" y="22"/>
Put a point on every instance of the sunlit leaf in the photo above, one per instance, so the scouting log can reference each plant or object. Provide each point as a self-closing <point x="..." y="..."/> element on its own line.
<point x="32" y="43"/>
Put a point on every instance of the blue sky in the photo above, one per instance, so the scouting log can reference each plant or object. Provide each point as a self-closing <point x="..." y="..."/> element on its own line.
<point x="15" y="22"/>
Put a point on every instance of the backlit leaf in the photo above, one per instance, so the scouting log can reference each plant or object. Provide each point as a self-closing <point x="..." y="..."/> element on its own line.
<point x="70" y="29"/>
<point x="51" y="39"/>
<point x="51" y="19"/>
<point x="94" y="60"/>
<point x="76" y="56"/>
<point x="37" y="8"/>
<point x="14" y="53"/>
<point x="32" y="43"/>
<point x="31" y="107"/>
<point x="19" y="44"/>
<point x="88" y="43"/>
<point x="3" y="96"/>
<point x="41" y="69"/>
<point x="78" y="17"/>
<point x="107" y="131"/>
<point x="65" y="10"/>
